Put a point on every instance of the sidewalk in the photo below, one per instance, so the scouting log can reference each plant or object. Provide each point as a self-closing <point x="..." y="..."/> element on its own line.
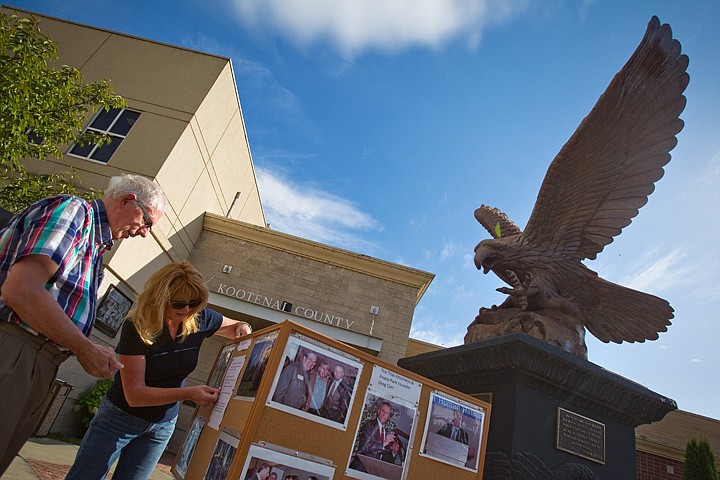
<point x="46" y="459"/>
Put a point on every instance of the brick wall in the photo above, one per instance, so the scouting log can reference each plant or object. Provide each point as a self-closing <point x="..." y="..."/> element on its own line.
<point x="318" y="290"/>
<point x="655" y="467"/>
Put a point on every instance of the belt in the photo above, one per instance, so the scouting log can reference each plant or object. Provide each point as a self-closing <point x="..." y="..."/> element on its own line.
<point x="44" y="346"/>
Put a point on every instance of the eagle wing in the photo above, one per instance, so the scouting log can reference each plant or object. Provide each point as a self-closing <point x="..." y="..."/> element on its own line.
<point x="607" y="170"/>
<point x="614" y="313"/>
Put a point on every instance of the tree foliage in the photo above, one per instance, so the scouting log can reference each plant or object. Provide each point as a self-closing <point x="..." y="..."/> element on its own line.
<point x="18" y="190"/>
<point x="42" y="109"/>
<point x="700" y="461"/>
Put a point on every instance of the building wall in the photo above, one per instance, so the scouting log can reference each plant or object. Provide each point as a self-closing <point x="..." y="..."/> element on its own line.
<point x="190" y="137"/>
<point x="656" y="467"/>
<point x="661" y="445"/>
<point x="324" y="284"/>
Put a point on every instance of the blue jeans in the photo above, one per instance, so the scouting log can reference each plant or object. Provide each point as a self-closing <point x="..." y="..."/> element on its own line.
<point x="139" y="444"/>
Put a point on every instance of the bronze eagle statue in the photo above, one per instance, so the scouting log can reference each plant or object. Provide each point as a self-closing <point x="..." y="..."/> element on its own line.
<point x="593" y="188"/>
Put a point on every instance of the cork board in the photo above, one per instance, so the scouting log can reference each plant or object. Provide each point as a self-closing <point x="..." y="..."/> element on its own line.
<point x="272" y="430"/>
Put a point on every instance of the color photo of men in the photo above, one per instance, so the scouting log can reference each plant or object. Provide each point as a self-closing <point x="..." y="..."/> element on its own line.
<point x="379" y="448"/>
<point x="294" y="384"/>
<point x="453" y="429"/>
<point x="315" y="383"/>
<point x="269" y="464"/>
<point x="338" y="396"/>
<point x="453" y="432"/>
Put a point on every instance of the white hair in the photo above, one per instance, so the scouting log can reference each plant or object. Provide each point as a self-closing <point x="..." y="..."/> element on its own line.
<point x="148" y="192"/>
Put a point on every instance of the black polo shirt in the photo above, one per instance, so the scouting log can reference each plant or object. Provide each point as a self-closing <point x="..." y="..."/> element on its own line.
<point x="167" y="363"/>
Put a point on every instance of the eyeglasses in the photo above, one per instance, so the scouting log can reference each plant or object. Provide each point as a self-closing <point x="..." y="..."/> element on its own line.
<point x="147" y="219"/>
<point x="180" y="305"/>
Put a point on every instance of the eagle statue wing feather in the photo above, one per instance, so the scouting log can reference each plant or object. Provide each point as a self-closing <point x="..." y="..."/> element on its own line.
<point x="644" y="315"/>
<point x="605" y="172"/>
<point x="496" y="222"/>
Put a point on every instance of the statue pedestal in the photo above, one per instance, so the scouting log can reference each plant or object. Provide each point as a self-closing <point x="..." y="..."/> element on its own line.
<point x="549" y="404"/>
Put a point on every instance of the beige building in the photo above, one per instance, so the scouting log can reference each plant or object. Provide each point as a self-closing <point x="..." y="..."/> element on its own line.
<point x="184" y="128"/>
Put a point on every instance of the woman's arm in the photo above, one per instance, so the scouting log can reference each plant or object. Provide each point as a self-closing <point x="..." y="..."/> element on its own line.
<point x="233" y="329"/>
<point x="138" y="394"/>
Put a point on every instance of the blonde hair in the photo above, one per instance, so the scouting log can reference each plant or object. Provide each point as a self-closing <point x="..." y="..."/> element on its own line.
<point x="179" y="281"/>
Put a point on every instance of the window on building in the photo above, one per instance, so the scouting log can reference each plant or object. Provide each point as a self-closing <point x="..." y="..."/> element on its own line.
<point x="116" y="122"/>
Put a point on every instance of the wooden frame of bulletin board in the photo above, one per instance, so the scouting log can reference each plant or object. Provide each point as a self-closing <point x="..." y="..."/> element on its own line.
<point x="263" y="420"/>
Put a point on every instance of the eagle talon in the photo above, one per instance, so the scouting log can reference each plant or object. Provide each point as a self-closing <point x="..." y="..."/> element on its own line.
<point x="521" y="290"/>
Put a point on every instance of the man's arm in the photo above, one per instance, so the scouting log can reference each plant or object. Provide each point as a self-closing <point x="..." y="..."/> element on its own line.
<point x="282" y="384"/>
<point x="24" y="291"/>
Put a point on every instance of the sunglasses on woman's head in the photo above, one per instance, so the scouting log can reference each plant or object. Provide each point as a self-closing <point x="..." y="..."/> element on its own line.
<point x="180" y="305"/>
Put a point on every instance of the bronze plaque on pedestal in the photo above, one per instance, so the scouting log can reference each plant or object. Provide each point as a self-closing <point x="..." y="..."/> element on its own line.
<point x="580" y="436"/>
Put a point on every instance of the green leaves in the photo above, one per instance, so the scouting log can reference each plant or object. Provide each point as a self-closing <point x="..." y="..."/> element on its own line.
<point x="20" y="189"/>
<point x="89" y="401"/>
<point x="497" y="230"/>
<point x="42" y="109"/>
<point x="699" y="460"/>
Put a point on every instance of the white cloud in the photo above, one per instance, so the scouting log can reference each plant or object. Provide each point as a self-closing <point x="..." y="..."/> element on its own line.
<point x="353" y="26"/>
<point x="449" y="250"/>
<point x="468" y="262"/>
<point x="662" y="273"/>
<point x="435" y="337"/>
<point x="311" y="213"/>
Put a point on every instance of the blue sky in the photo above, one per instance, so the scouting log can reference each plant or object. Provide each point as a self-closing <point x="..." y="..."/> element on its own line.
<point x="380" y="126"/>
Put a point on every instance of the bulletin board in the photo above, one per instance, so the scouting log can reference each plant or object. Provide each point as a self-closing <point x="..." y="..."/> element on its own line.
<point x="367" y="419"/>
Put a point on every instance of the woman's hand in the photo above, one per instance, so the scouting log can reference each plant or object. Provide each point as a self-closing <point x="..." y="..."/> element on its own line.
<point x="233" y="329"/>
<point x="203" y="395"/>
<point x="242" y="329"/>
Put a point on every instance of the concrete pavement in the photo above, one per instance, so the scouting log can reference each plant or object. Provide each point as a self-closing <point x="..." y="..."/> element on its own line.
<point x="47" y="459"/>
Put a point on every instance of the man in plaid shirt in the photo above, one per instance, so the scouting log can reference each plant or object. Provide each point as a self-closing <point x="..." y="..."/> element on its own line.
<point x="50" y="272"/>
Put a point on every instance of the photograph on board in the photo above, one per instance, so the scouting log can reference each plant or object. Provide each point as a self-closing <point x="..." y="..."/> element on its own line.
<point x="266" y="463"/>
<point x="381" y="442"/>
<point x="221" y="364"/>
<point x="222" y="457"/>
<point x="316" y="382"/>
<point x="253" y="374"/>
<point x="188" y="446"/>
<point x="453" y="431"/>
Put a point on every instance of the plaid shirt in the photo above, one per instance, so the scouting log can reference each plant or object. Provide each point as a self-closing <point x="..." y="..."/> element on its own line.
<point x="74" y="234"/>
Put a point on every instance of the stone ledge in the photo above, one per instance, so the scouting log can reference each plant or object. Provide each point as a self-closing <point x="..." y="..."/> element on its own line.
<point x="522" y="359"/>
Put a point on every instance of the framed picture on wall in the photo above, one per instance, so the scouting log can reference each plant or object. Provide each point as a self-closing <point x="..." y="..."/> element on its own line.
<point x="112" y="310"/>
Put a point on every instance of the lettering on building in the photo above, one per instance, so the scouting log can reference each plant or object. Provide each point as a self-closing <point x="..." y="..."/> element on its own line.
<point x="300" y="311"/>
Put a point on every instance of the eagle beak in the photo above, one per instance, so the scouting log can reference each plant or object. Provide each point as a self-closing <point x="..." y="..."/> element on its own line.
<point x="481" y="253"/>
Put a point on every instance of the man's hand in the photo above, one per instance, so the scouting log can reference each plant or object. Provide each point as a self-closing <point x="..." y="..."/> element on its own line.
<point x="98" y="361"/>
<point x="24" y="291"/>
